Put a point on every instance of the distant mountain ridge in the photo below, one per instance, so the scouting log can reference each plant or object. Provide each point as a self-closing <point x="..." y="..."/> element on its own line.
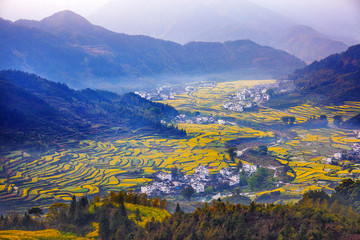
<point x="215" y="21"/>
<point x="66" y="47"/>
<point x="308" y="44"/>
<point x="337" y="76"/>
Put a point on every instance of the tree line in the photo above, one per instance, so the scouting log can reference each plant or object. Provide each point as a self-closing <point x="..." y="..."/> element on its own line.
<point x="316" y="216"/>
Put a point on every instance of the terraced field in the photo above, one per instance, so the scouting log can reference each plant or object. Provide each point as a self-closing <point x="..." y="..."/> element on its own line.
<point x="98" y="167"/>
<point x="305" y="154"/>
<point x="105" y="166"/>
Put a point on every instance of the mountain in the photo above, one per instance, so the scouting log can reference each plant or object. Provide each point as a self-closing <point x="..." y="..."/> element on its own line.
<point x="37" y="111"/>
<point x="214" y="21"/>
<point x="308" y="44"/>
<point x="66" y="47"/>
<point x="337" y="76"/>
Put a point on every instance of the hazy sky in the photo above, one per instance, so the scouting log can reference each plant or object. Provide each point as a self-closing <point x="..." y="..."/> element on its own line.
<point x="325" y="15"/>
<point x="38" y="9"/>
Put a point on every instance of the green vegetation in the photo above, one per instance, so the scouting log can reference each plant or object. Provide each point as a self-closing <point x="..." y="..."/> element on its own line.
<point x="316" y="216"/>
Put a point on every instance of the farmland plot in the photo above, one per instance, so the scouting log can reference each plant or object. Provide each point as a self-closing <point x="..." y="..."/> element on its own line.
<point x="98" y="167"/>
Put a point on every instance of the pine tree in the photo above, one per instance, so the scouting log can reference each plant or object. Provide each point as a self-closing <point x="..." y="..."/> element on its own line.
<point x="72" y="208"/>
<point x="104" y="225"/>
<point x="122" y="208"/>
<point x="137" y="215"/>
<point x="178" y="209"/>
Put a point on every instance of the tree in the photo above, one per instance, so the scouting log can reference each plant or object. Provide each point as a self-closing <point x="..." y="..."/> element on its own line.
<point x="84" y="201"/>
<point x="104" y="225"/>
<point x="163" y="203"/>
<point x="258" y="179"/>
<point x="178" y="208"/>
<point x="156" y="202"/>
<point x="188" y="192"/>
<point x="285" y="120"/>
<point x="292" y="120"/>
<point x="137" y="215"/>
<point x="72" y="208"/>
<point x="337" y="120"/>
<point x="174" y="172"/>
<point x="36" y="211"/>
<point x="263" y="149"/>
<point x="323" y="117"/>
<point x="239" y="166"/>
<point x="236" y="191"/>
<point x="208" y="190"/>
<point x="288" y="120"/>
<point x="243" y="179"/>
<point x="270" y="92"/>
<point x="57" y="213"/>
<point x="232" y="153"/>
<point x="122" y="208"/>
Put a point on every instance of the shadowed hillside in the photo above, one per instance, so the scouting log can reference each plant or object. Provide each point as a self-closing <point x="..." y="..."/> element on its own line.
<point x="35" y="111"/>
<point x="337" y="76"/>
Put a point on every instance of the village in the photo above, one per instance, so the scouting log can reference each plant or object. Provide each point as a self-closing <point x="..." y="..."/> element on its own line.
<point x="167" y="92"/>
<point x="238" y="102"/>
<point x="248" y="98"/>
<point x="174" y="183"/>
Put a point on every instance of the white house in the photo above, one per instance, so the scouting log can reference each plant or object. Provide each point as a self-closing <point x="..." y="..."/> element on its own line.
<point x="220" y="121"/>
<point x="357" y="133"/>
<point x="249" y="105"/>
<point x="199" y="187"/>
<point x="337" y="155"/>
<point x="356" y="147"/>
<point x="165" y="189"/>
<point x="266" y="97"/>
<point x="225" y="172"/>
<point x="235" y="179"/>
<point x="147" y="189"/>
<point x="248" y="168"/>
<point x="164" y="176"/>
<point x="202" y="170"/>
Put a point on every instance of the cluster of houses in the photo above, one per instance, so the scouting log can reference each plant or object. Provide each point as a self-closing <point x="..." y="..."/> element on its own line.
<point x="356" y="148"/>
<point x="157" y="95"/>
<point x="166" y="183"/>
<point x="247" y="98"/>
<point x="182" y="118"/>
<point x="169" y="92"/>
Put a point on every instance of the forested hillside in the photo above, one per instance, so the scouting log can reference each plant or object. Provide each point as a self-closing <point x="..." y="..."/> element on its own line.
<point x="130" y="215"/>
<point x="35" y="111"/>
<point x="337" y="76"/>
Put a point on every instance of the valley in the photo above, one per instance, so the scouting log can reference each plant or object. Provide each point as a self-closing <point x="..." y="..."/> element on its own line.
<point x="121" y="162"/>
<point x="167" y="119"/>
